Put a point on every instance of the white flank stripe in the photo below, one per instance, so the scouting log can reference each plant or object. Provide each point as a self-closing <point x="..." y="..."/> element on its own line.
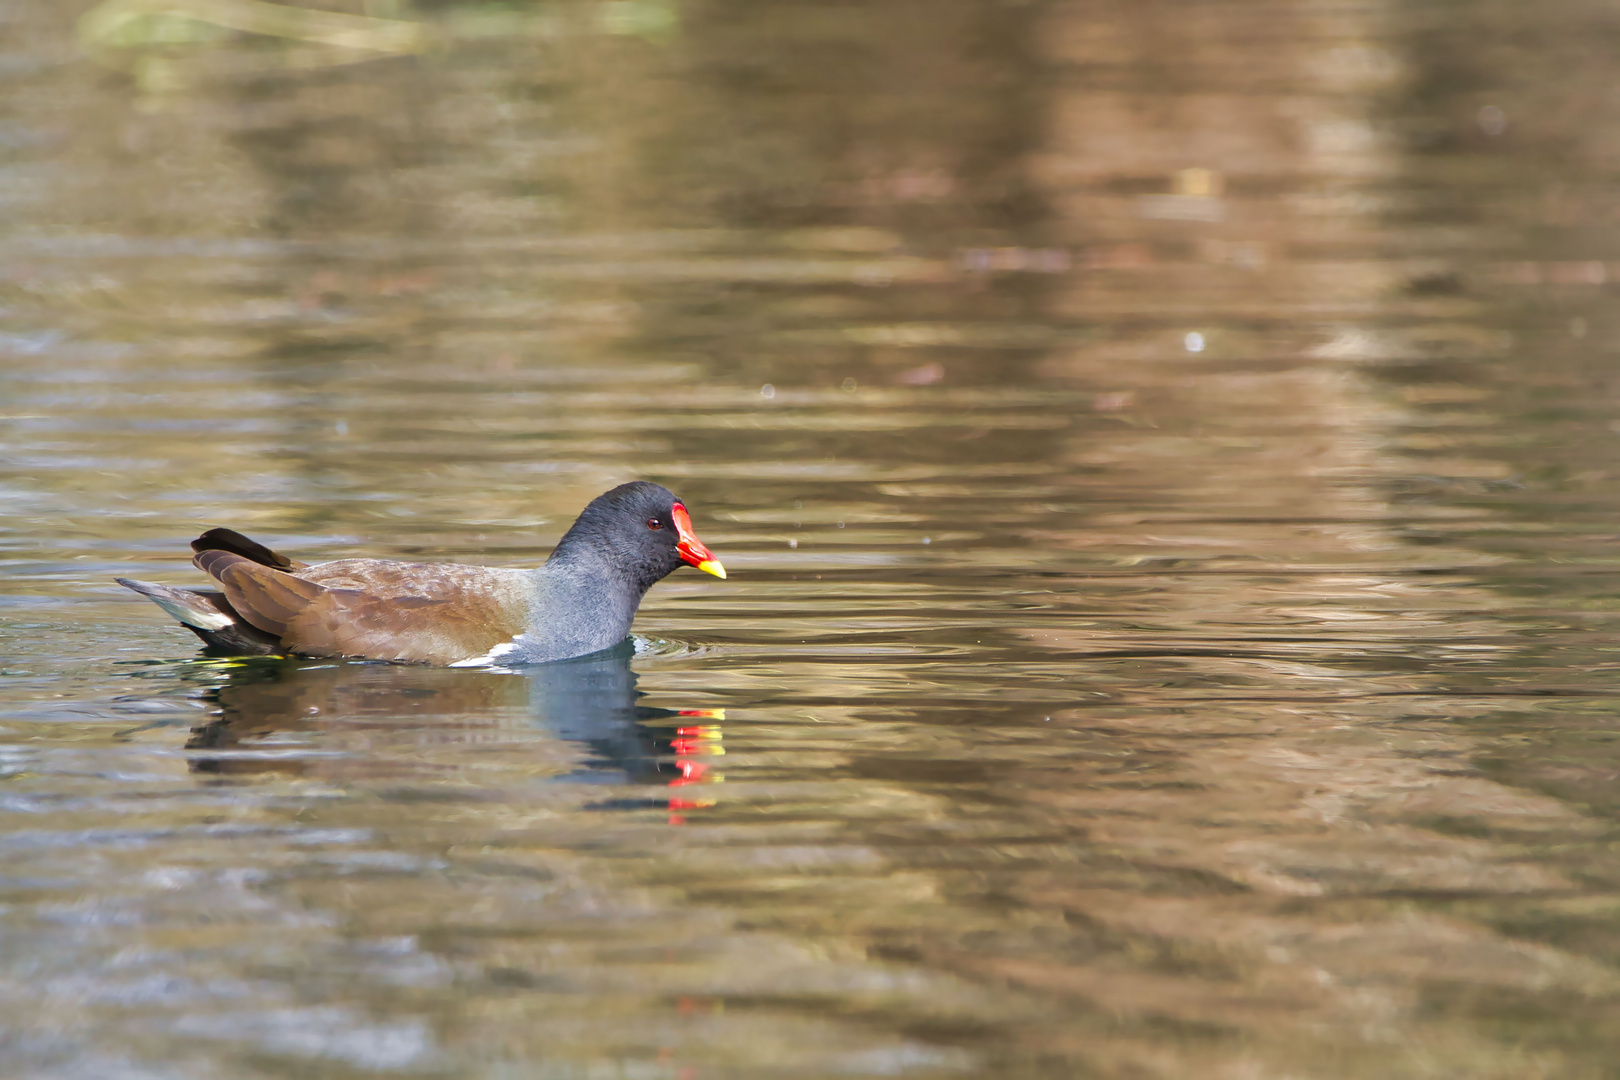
<point x="492" y="656"/>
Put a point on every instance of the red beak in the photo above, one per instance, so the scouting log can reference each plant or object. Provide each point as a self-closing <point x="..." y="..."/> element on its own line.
<point x="690" y="548"/>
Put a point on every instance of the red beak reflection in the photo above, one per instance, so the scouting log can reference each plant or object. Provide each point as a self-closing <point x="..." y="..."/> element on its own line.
<point x="692" y="742"/>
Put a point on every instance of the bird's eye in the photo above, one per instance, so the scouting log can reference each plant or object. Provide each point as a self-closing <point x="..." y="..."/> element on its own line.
<point x="654" y="523"/>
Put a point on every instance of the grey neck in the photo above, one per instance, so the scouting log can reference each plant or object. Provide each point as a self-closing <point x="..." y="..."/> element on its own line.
<point x="577" y="607"/>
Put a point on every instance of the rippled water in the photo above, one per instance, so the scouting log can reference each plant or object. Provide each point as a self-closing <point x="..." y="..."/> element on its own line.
<point x="1164" y="455"/>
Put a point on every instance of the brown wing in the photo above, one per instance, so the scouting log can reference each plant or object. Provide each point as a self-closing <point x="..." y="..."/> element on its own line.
<point x="265" y="597"/>
<point x="374" y="608"/>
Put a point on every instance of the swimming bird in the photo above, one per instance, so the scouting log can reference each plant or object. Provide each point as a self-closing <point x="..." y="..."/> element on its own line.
<point x="582" y="600"/>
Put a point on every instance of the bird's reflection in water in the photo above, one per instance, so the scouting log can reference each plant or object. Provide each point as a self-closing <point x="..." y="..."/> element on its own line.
<point x="267" y="705"/>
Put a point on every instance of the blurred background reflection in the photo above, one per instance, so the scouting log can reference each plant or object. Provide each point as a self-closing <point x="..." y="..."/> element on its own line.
<point x="1164" y="454"/>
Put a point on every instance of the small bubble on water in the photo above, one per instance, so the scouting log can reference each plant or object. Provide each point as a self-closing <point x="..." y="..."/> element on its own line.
<point x="928" y="539"/>
<point x="1491" y="120"/>
<point x="840" y="524"/>
<point x="1194" y="341"/>
<point x="849" y="385"/>
<point x="341" y="427"/>
<point x="767" y="391"/>
<point x="793" y="543"/>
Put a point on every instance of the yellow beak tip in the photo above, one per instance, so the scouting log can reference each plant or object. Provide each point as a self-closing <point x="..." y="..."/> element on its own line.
<point x="712" y="566"/>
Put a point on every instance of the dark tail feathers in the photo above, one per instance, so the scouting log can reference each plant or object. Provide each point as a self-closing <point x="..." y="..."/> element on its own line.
<point x="210" y="616"/>
<point x="237" y="544"/>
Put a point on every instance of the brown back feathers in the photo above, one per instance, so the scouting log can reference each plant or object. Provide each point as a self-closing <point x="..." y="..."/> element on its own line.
<point x="427" y="613"/>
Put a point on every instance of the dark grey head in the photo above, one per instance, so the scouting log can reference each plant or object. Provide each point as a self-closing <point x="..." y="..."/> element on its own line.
<point x="638" y="531"/>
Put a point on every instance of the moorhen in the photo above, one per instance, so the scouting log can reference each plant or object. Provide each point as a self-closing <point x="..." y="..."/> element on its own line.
<point x="581" y="601"/>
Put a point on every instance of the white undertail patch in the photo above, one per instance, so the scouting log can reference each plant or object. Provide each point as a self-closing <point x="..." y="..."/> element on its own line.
<point x="202" y="620"/>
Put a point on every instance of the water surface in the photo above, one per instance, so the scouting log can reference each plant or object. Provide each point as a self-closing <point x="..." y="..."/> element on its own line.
<point x="1164" y="456"/>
